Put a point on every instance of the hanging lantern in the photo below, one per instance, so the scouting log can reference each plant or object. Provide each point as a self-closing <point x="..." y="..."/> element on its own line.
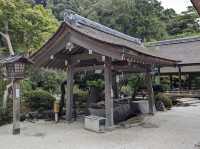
<point x="14" y="66"/>
<point x="15" y="70"/>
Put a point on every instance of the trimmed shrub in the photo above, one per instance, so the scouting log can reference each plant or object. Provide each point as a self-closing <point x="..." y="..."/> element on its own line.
<point x="39" y="100"/>
<point x="5" y="117"/>
<point x="165" y="99"/>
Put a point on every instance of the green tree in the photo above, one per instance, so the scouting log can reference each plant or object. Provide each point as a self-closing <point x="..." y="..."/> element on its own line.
<point x="139" y="18"/>
<point x="29" y="27"/>
<point x="184" y="24"/>
<point x="46" y="80"/>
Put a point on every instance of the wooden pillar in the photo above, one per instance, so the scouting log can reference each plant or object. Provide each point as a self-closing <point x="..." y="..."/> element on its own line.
<point x="157" y="77"/>
<point x="150" y="91"/>
<point x="108" y="90"/>
<point x="114" y="86"/>
<point x="179" y="74"/>
<point x="171" y="81"/>
<point x="69" y="93"/>
<point x="189" y="82"/>
<point x="16" y="106"/>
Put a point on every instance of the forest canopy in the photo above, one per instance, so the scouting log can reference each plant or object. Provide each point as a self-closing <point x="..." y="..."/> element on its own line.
<point x="32" y="22"/>
<point x="29" y="27"/>
<point x="145" y="19"/>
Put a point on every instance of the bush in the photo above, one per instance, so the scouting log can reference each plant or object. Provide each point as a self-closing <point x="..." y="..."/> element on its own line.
<point x="165" y="99"/>
<point x="39" y="100"/>
<point x="5" y="117"/>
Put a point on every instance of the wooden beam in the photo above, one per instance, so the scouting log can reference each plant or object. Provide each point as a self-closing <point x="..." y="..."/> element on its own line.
<point x="69" y="93"/>
<point x="189" y="81"/>
<point x="16" y="107"/>
<point x="89" y="68"/>
<point x="80" y="57"/>
<point x="179" y="75"/>
<point x="126" y="68"/>
<point x="157" y="81"/>
<point x="150" y="91"/>
<point x="97" y="46"/>
<point x="130" y="68"/>
<point x="115" y="51"/>
<point x="41" y="57"/>
<point x="115" y="86"/>
<point x="171" y="81"/>
<point x="108" y="90"/>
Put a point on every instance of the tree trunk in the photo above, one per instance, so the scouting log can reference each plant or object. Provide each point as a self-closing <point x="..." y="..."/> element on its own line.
<point x="5" y="96"/>
<point x="11" y="51"/>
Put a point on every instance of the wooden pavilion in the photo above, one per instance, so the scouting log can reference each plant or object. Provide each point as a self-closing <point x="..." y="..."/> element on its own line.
<point x="184" y="49"/>
<point x="83" y="45"/>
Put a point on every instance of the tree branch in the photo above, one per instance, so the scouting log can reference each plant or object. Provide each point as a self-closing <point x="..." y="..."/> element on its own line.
<point x="7" y="37"/>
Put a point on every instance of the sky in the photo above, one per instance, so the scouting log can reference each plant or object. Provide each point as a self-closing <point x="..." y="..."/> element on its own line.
<point x="178" y="5"/>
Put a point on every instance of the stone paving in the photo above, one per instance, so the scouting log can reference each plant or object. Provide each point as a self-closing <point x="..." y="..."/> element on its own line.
<point x="178" y="128"/>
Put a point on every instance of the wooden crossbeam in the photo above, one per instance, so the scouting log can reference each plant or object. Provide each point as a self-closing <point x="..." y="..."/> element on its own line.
<point x="117" y="68"/>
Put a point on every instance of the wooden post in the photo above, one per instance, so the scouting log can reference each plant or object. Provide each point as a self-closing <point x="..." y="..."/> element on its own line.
<point x="114" y="86"/>
<point x="179" y="74"/>
<point x="157" y="77"/>
<point x="16" y="107"/>
<point x="108" y="90"/>
<point x="69" y="93"/>
<point x="189" y="82"/>
<point x="150" y="91"/>
<point x="171" y="82"/>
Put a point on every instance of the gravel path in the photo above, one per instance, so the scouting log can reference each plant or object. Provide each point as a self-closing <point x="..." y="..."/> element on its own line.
<point x="178" y="128"/>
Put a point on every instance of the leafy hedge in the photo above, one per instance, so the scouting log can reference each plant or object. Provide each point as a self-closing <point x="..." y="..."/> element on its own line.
<point x="165" y="99"/>
<point x="5" y="116"/>
<point x="39" y="100"/>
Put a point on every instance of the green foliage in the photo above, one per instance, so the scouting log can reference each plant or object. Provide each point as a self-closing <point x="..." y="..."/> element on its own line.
<point x="80" y="92"/>
<point x="127" y="90"/>
<point x="39" y="100"/>
<point x="47" y="80"/>
<point x="165" y="83"/>
<point x="5" y="117"/>
<point x="145" y="19"/>
<point x="165" y="99"/>
<point x="96" y="83"/>
<point x="6" y="114"/>
<point x="185" y="24"/>
<point x="29" y="27"/>
<point x="135" y="81"/>
<point x="138" y="18"/>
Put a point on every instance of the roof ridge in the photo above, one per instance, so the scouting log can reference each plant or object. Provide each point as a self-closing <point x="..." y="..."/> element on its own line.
<point x="174" y="41"/>
<point x="75" y="19"/>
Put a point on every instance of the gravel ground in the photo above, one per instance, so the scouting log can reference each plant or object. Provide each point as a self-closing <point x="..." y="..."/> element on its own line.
<point x="178" y="128"/>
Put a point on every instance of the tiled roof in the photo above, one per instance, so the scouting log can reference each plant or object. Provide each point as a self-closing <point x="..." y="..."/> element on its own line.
<point x="187" y="50"/>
